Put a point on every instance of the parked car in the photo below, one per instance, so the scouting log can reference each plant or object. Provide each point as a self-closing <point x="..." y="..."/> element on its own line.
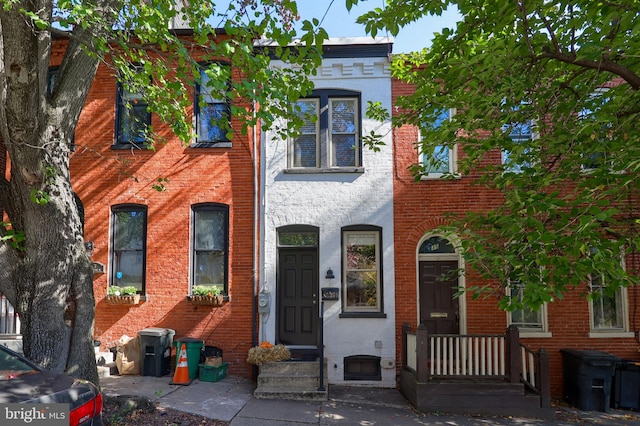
<point x="23" y="381"/>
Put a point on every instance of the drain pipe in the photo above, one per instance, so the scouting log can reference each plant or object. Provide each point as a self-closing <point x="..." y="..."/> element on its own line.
<point x="256" y="221"/>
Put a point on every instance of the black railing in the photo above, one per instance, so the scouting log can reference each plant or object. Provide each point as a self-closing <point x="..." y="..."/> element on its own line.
<point x="321" y="387"/>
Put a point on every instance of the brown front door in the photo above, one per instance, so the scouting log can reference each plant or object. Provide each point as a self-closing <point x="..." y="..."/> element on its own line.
<point x="297" y="293"/>
<point x="438" y="307"/>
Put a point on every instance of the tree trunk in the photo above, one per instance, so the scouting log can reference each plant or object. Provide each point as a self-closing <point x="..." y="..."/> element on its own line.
<point x="48" y="277"/>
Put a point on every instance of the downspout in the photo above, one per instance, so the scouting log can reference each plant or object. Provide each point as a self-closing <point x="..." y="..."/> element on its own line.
<point x="256" y="224"/>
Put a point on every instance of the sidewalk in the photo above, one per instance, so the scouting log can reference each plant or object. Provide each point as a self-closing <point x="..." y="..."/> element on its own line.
<point x="231" y="400"/>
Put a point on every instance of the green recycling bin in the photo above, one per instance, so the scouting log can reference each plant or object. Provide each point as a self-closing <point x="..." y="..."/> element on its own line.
<point x="194" y="348"/>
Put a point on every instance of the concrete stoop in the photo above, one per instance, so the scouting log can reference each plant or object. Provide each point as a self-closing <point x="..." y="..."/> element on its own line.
<point x="298" y="380"/>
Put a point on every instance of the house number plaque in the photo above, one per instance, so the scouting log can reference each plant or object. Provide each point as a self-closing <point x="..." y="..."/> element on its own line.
<point x="330" y="293"/>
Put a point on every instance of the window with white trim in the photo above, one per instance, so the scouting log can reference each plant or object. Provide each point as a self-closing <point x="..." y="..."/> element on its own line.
<point x="525" y="318"/>
<point x="441" y="161"/>
<point x="330" y="135"/>
<point x="608" y="309"/>
<point x="362" y="278"/>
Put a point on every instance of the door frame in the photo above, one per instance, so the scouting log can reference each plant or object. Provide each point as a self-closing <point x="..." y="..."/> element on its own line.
<point x="296" y="229"/>
<point x="423" y="257"/>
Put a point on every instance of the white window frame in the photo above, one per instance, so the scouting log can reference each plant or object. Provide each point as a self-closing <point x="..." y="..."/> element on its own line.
<point x="293" y="141"/>
<point x="324" y="128"/>
<point x="452" y="154"/>
<point x="618" y="331"/>
<point x="542" y="331"/>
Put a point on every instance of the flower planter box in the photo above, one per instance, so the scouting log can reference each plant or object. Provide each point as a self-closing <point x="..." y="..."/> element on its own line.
<point x="123" y="299"/>
<point x="206" y="300"/>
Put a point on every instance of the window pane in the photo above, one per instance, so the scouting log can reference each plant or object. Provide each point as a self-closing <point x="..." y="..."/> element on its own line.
<point x="129" y="268"/>
<point x="344" y="150"/>
<point x="438" y="161"/>
<point x="305" y="151"/>
<point x="362" y="289"/>
<point x="209" y="269"/>
<point x="525" y="318"/>
<point x="212" y="112"/>
<point x="298" y="239"/>
<point x="129" y="232"/>
<point x="209" y="122"/>
<point x="128" y="247"/>
<point x="134" y="122"/>
<point x="305" y="146"/>
<point x="210" y="230"/>
<point x="607" y="310"/>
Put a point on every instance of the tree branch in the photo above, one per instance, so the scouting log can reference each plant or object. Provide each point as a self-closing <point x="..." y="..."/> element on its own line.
<point x="625" y="73"/>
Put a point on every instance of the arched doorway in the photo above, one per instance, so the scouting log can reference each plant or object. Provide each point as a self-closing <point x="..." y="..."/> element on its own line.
<point x="438" y="283"/>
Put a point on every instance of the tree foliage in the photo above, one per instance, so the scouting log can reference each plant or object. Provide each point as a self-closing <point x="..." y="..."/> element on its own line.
<point x="45" y="271"/>
<point x="569" y="72"/>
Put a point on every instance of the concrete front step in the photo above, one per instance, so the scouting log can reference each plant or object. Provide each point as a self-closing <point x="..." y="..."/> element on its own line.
<point x="295" y="393"/>
<point x="288" y="380"/>
<point x="291" y="380"/>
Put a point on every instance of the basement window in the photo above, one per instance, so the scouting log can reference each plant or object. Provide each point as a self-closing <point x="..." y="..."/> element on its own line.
<point x="362" y="367"/>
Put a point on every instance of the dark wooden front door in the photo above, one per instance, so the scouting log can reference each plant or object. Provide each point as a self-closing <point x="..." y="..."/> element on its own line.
<point x="298" y="296"/>
<point x="438" y="307"/>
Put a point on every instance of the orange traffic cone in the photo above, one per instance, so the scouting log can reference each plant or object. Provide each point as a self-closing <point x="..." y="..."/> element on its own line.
<point x="181" y="376"/>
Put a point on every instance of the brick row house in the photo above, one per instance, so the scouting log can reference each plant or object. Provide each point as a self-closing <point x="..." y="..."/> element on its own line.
<point x="422" y="254"/>
<point x="167" y="220"/>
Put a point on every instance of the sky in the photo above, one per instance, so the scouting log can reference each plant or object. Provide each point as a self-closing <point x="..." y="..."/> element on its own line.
<point x="340" y="23"/>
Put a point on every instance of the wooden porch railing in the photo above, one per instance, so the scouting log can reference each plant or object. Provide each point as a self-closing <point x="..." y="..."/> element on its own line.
<point x="503" y="357"/>
<point x="9" y="320"/>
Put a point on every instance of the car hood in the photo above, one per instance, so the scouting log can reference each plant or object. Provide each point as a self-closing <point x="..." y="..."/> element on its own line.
<point x="45" y="387"/>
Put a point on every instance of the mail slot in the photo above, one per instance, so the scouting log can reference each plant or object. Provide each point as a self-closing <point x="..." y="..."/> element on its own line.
<point x="439" y="315"/>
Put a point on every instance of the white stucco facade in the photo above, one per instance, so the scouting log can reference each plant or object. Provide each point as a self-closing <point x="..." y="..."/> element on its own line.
<point x="333" y="199"/>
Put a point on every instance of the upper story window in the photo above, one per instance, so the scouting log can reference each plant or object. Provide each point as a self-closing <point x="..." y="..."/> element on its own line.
<point x="598" y="131"/>
<point x="128" y="246"/>
<point x="212" y="111"/>
<point x="440" y="161"/>
<point x="362" y="274"/>
<point x="210" y="245"/>
<point x="133" y="118"/>
<point x="515" y="159"/>
<point x="330" y="137"/>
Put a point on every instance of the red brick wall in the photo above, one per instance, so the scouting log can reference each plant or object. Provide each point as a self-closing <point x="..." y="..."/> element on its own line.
<point x="419" y="208"/>
<point x="103" y="177"/>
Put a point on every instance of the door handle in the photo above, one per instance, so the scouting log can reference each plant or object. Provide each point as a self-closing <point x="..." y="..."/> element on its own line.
<point x="315" y="297"/>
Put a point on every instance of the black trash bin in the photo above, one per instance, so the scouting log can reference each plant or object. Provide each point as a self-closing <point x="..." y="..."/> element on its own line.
<point x="587" y="378"/>
<point x="155" y="351"/>
<point x="626" y="385"/>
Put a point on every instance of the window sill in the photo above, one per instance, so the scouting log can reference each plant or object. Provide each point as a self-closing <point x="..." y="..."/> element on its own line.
<point x="129" y="146"/>
<point x="363" y="315"/>
<point x="608" y="334"/>
<point x="323" y="170"/>
<point x="535" y="334"/>
<point x="221" y="144"/>
<point x="442" y="177"/>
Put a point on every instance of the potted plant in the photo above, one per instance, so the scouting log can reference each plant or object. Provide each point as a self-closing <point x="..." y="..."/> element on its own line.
<point x="127" y="295"/>
<point x="205" y="295"/>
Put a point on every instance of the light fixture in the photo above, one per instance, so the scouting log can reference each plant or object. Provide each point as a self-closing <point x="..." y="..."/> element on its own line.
<point x="330" y="275"/>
